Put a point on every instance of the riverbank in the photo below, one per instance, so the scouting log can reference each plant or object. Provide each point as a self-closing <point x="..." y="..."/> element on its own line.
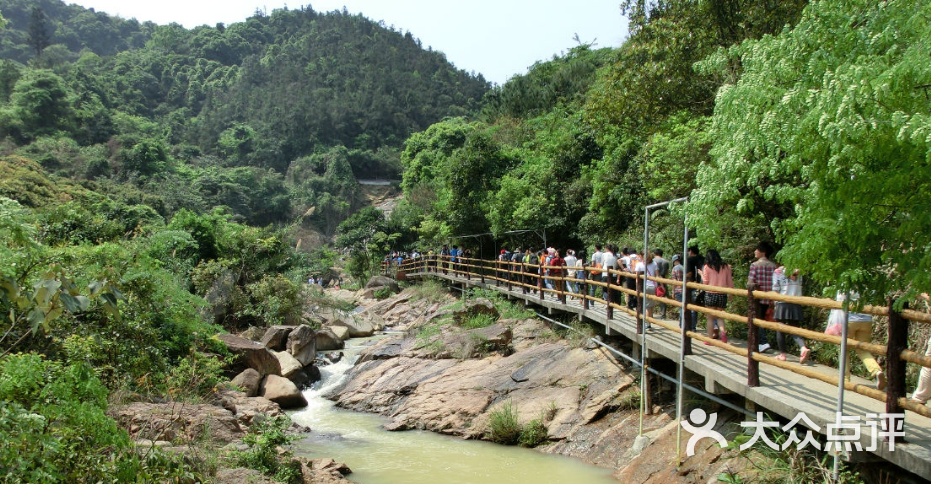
<point x="442" y="375"/>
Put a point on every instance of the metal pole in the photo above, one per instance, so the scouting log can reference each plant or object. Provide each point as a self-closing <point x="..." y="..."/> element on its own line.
<point x="643" y="311"/>
<point x="683" y="338"/>
<point x="842" y="380"/>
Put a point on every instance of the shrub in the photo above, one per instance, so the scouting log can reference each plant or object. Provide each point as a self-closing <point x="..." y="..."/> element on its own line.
<point x="54" y="429"/>
<point x="533" y="434"/>
<point x="263" y="441"/>
<point x="503" y="426"/>
<point x="383" y="293"/>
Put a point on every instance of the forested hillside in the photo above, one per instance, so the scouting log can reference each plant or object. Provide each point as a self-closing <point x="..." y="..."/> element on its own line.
<point x="317" y="97"/>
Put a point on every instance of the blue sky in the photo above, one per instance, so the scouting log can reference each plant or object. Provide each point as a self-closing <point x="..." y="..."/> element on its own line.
<point x="495" y="38"/>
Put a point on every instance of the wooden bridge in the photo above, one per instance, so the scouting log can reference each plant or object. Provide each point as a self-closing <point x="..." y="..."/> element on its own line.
<point x="782" y="388"/>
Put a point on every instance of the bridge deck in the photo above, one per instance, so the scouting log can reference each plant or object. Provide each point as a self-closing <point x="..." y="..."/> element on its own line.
<point x="781" y="391"/>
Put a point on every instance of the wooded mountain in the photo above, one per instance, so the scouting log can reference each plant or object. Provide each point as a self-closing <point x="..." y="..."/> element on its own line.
<point x="161" y="104"/>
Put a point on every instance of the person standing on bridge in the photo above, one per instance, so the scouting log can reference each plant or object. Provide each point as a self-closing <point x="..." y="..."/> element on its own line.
<point x="716" y="273"/>
<point x="571" y="261"/>
<point x="789" y="313"/>
<point x="608" y="262"/>
<point x="860" y="328"/>
<point x="760" y="278"/>
<point x="662" y="269"/>
<point x="596" y="263"/>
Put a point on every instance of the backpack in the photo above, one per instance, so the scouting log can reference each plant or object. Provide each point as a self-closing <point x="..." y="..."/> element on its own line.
<point x="596" y="271"/>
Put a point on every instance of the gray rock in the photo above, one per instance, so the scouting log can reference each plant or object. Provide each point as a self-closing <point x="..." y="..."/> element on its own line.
<point x="177" y="422"/>
<point x="382" y="281"/>
<point x="289" y="364"/>
<point x="249" y="381"/>
<point x="247" y="408"/>
<point x="302" y="344"/>
<point x="282" y="391"/>
<point x="341" y="332"/>
<point x="327" y="340"/>
<point x="251" y="355"/>
<point x="357" y="328"/>
<point x="276" y="337"/>
<point x="254" y="333"/>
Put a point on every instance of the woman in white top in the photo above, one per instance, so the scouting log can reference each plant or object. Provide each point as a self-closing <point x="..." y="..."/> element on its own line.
<point x="571" y="262"/>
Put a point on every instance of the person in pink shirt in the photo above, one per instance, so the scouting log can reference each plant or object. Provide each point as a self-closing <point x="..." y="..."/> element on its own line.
<point x="716" y="273"/>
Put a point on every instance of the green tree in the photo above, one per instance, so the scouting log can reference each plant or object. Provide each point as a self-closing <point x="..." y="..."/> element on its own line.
<point x="40" y="31"/>
<point x="824" y="140"/>
<point x="366" y="236"/>
<point x="40" y="104"/>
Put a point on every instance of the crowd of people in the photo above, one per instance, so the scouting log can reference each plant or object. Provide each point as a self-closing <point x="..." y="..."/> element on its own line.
<point x="563" y="271"/>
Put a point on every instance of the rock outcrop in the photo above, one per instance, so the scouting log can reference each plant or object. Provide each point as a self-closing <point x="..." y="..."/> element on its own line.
<point x="177" y="422"/>
<point x="249" y="380"/>
<point x="282" y="391"/>
<point x="357" y="328"/>
<point x="326" y="340"/>
<point x="276" y="337"/>
<point x="250" y="354"/>
<point x="302" y="344"/>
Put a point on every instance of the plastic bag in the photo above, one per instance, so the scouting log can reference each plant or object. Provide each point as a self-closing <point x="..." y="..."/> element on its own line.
<point x="835" y="323"/>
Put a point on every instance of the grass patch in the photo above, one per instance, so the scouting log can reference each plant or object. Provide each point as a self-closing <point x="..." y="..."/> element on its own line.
<point x="504" y="427"/>
<point x="430" y="291"/>
<point x="476" y="321"/>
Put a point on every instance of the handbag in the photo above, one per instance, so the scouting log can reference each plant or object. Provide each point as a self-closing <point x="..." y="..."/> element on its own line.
<point x="660" y="291"/>
<point x="700" y="298"/>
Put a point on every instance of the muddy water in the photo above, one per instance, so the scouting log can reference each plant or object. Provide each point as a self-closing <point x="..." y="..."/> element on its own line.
<point x="377" y="456"/>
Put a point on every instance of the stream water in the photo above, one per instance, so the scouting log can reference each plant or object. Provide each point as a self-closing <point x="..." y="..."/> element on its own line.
<point x="377" y="456"/>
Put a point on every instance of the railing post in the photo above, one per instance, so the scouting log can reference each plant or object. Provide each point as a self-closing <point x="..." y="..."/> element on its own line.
<point x="524" y="279"/>
<point x="540" y="281"/>
<point x="753" y="366"/>
<point x="481" y="270"/>
<point x="583" y="287"/>
<point x="686" y="319"/>
<point x="638" y="285"/>
<point x="895" y="367"/>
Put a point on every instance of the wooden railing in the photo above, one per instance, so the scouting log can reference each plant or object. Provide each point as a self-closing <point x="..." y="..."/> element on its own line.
<point x="528" y="278"/>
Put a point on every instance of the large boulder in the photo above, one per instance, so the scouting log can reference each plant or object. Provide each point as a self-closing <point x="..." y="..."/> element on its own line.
<point x="249" y="381"/>
<point x="327" y="340"/>
<point x="247" y="408"/>
<point x="341" y="332"/>
<point x="289" y="364"/>
<point x="382" y="281"/>
<point x="282" y="391"/>
<point x="357" y="328"/>
<point x="302" y="344"/>
<point x="276" y="337"/>
<point x="250" y="354"/>
<point x="177" y="422"/>
<point x="468" y="309"/>
<point x="322" y="471"/>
